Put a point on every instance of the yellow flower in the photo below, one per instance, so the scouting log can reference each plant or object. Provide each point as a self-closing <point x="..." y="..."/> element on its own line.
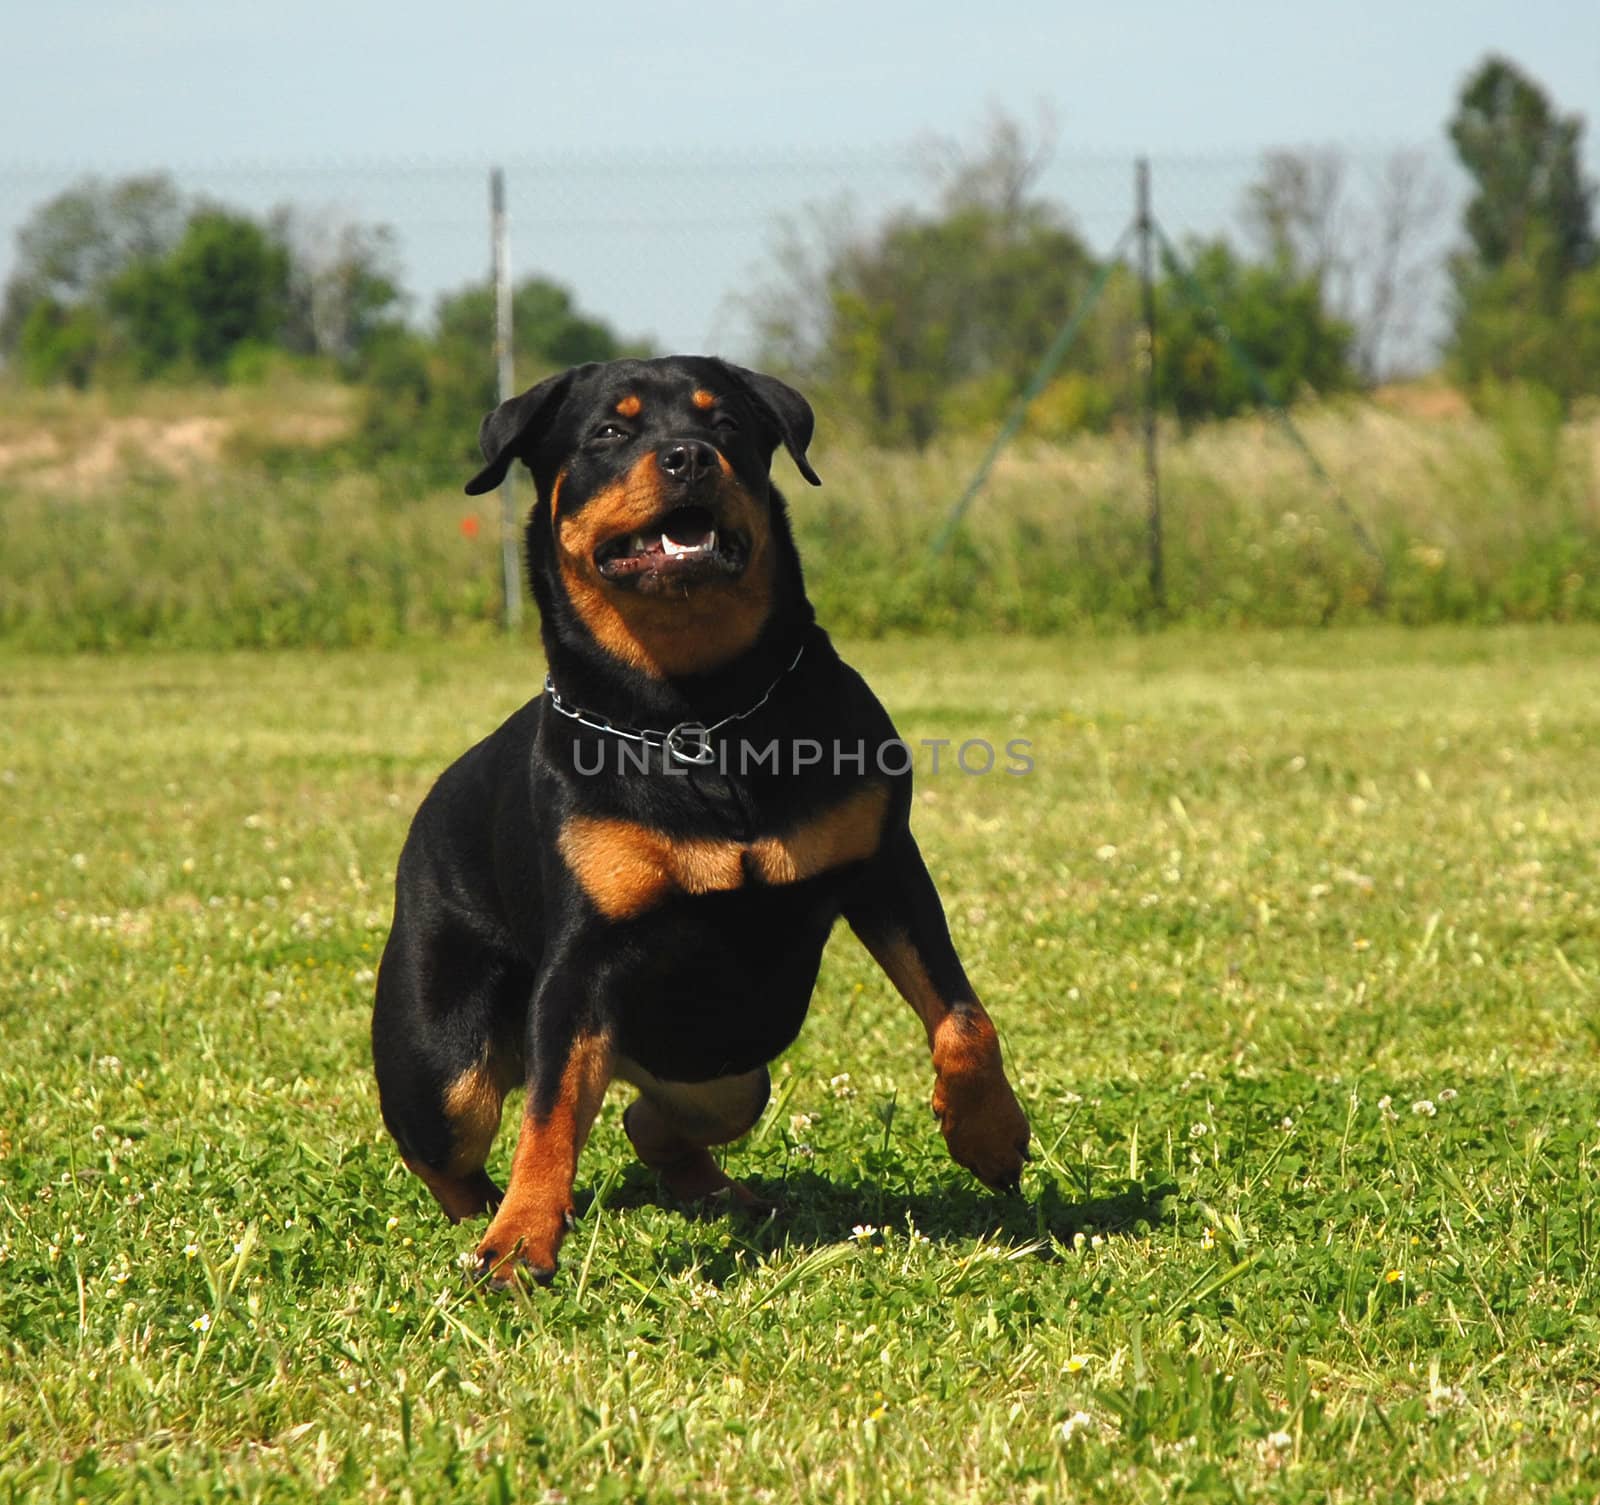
<point x="1395" y="1275"/>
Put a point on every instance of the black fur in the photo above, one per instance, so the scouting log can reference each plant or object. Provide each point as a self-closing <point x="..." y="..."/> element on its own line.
<point x="497" y="953"/>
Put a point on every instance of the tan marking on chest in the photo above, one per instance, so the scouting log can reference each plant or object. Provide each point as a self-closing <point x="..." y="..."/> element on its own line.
<point x="627" y="869"/>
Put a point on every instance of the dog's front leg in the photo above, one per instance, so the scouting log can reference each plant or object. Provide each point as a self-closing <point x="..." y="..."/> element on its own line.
<point x="568" y="1072"/>
<point x="898" y="916"/>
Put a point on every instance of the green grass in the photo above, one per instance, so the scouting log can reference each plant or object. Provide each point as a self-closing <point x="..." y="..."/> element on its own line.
<point x="1261" y="898"/>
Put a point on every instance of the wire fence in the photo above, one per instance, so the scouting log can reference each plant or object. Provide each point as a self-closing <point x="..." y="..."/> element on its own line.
<point x="671" y="252"/>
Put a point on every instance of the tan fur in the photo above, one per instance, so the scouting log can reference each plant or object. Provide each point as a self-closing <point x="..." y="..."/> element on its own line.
<point x="537" y="1209"/>
<point x="627" y="869"/>
<point x="707" y="625"/>
<point x="472" y="1105"/>
<point x="977" y="1111"/>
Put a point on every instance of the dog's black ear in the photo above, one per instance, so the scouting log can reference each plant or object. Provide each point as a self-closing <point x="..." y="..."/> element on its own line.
<point x="503" y="435"/>
<point x="788" y="413"/>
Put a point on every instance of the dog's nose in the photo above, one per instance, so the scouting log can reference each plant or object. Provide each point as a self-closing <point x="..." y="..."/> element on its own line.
<point x="687" y="460"/>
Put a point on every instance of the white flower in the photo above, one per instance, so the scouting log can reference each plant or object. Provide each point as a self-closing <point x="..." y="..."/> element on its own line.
<point x="1424" y="1108"/>
<point x="1079" y="1421"/>
<point x="191" y="1251"/>
<point x="202" y="1323"/>
<point x="1280" y="1440"/>
<point x="1448" y="1095"/>
<point x="840" y="1085"/>
<point x="863" y="1231"/>
<point x="1197" y="1131"/>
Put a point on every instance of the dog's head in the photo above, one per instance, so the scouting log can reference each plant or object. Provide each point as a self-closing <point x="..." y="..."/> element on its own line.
<point x="657" y="532"/>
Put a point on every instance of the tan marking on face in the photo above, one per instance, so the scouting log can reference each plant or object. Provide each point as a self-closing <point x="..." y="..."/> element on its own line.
<point x="663" y="636"/>
<point x="630" y="406"/>
<point x="703" y="399"/>
<point x="533" y="1218"/>
<point x="627" y="869"/>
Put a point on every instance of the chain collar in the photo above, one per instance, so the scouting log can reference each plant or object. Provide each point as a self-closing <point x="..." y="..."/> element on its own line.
<point x="687" y="742"/>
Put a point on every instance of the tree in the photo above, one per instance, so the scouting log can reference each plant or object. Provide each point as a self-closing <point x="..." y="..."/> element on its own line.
<point x="548" y="329"/>
<point x="426" y="396"/>
<point x="1526" y="161"/>
<point x="127" y="279"/>
<point x="73" y="246"/>
<point x="1275" y="319"/>
<point x="344" y="286"/>
<point x="931" y="310"/>
<point x="1364" y="237"/>
<point x="1524" y="283"/>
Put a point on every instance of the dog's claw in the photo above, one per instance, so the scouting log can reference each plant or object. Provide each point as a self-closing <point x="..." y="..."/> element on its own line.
<point x="500" y="1271"/>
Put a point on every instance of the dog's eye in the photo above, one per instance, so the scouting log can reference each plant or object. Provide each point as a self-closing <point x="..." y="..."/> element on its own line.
<point x="608" y="432"/>
<point x="725" y="423"/>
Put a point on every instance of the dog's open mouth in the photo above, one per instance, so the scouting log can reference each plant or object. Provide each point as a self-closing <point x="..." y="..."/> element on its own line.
<point x="684" y="545"/>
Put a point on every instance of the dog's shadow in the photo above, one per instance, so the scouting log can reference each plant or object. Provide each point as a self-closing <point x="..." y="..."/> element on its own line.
<point x="808" y="1211"/>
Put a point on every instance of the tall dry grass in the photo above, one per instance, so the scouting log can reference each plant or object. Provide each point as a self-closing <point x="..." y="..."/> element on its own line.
<point x="234" y="518"/>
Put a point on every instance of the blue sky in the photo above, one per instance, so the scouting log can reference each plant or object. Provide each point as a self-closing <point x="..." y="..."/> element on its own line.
<point x="392" y="111"/>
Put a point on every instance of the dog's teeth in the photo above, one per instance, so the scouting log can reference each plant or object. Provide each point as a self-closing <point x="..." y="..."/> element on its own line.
<point x="674" y="549"/>
<point x="638" y="544"/>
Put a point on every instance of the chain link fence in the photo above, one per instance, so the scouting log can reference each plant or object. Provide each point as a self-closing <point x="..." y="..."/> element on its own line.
<point x="675" y="252"/>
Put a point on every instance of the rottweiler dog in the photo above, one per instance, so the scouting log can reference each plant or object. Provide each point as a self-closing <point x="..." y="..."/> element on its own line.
<point x="634" y="877"/>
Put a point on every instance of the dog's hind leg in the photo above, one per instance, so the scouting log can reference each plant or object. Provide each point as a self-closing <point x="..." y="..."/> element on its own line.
<point x="441" y="1081"/>
<point x="672" y="1126"/>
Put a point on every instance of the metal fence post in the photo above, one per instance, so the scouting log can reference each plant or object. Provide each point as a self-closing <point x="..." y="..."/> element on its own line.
<point x="500" y="240"/>
<point x="1152" y="472"/>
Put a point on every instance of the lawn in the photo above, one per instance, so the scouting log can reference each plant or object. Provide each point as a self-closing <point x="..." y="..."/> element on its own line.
<point x="1294" y="944"/>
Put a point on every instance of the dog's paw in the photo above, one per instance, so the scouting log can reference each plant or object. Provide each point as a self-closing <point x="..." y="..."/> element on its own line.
<point x="984" y="1127"/>
<point x="519" y="1245"/>
<point x="488" y="1266"/>
<point x="697" y="1179"/>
